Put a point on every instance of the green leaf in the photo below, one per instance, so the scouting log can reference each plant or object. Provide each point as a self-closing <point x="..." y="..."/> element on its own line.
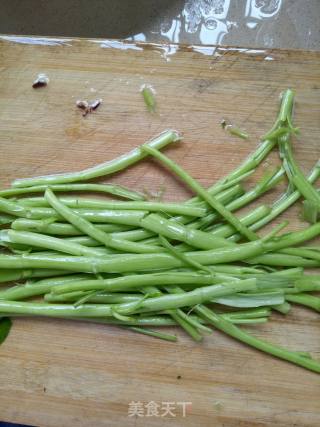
<point x="5" y="326"/>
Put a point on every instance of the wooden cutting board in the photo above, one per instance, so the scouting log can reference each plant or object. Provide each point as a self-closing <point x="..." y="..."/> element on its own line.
<point x="62" y="373"/>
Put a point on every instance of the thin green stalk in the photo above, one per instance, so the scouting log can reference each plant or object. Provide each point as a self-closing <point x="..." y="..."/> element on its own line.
<point x="282" y="260"/>
<point x="88" y="241"/>
<point x="40" y="287"/>
<point x="12" y="208"/>
<point x="294" y="173"/>
<point x="250" y="218"/>
<point x="283" y="308"/>
<point x="102" y="169"/>
<point x="189" y="262"/>
<point x="176" y="314"/>
<point x="285" y="201"/>
<point x="126" y="217"/>
<point x="89" y="229"/>
<point x="152" y="320"/>
<point x="303" y="252"/>
<point x="99" y="298"/>
<point x="305" y="299"/>
<point x="10" y="275"/>
<point x="61" y="229"/>
<point x="251" y="300"/>
<point x="248" y="314"/>
<point x="308" y="283"/>
<point x="176" y="231"/>
<point x="165" y="302"/>
<point x="155" y="334"/>
<point x="293" y="238"/>
<point x="47" y="242"/>
<point x="114" y="189"/>
<point x="123" y="263"/>
<point x="253" y="160"/>
<point x="137" y="281"/>
<point x="240" y="335"/>
<point x="224" y="196"/>
<point x="82" y="203"/>
<point x="213" y="202"/>
<point x="266" y="183"/>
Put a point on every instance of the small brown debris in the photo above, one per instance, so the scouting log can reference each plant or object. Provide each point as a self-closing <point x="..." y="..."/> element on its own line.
<point x="95" y="104"/>
<point x="83" y="105"/>
<point x="41" y="81"/>
<point x="88" y="107"/>
<point x="223" y="123"/>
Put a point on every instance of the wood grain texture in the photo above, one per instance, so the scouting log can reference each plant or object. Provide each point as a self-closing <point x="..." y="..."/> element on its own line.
<point x="62" y="373"/>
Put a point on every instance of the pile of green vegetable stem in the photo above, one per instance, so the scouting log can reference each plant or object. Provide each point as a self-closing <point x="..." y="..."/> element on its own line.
<point x="141" y="264"/>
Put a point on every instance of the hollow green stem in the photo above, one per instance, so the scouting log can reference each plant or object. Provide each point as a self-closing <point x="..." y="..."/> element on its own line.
<point x="126" y="217"/>
<point x="155" y="334"/>
<point x="305" y="299"/>
<point x="180" y="255"/>
<point x="240" y="335"/>
<point x="175" y="231"/>
<point x="283" y="308"/>
<point x="294" y="173"/>
<point x="172" y="208"/>
<point x="130" y="262"/>
<point x="195" y="186"/>
<point x="114" y="189"/>
<point x="62" y="229"/>
<point x="47" y="242"/>
<point x="7" y="275"/>
<point x="149" y="98"/>
<point x="165" y="302"/>
<point x="285" y="201"/>
<point x="89" y="229"/>
<point x="233" y="130"/>
<point x="102" y="169"/>
<point x="266" y="183"/>
<point x="137" y="281"/>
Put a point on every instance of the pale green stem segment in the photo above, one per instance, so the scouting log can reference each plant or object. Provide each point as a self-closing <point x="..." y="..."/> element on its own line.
<point x="149" y="98"/>
<point x="195" y="186"/>
<point x="122" y="263"/>
<point x="114" y="189"/>
<point x="125" y="217"/>
<point x="82" y="203"/>
<point x="233" y="130"/>
<point x="155" y="334"/>
<point x="137" y="281"/>
<point x="230" y="329"/>
<point x="47" y="242"/>
<point x="89" y="229"/>
<point x="106" y="168"/>
<point x="175" y="231"/>
<point x="305" y="299"/>
<point x="62" y="229"/>
<point x="7" y="275"/>
<point x="165" y="302"/>
<point x="181" y="256"/>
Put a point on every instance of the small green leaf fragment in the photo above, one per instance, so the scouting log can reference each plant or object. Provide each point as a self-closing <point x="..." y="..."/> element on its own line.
<point x="148" y="95"/>
<point x="236" y="132"/>
<point x="5" y="326"/>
